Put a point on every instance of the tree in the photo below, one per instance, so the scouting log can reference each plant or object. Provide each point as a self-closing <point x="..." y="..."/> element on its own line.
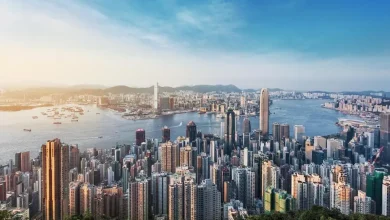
<point x="5" y="214"/>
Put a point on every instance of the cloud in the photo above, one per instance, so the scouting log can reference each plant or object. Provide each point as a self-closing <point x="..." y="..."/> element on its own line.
<point x="217" y="18"/>
<point x="76" y="43"/>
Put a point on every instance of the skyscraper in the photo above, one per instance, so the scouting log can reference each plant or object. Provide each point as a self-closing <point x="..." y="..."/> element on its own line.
<point x="18" y="161"/>
<point x="340" y="194"/>
<point x="191" y="131"/>
<point x="362" y="204"/>
<point x="374" y="188"/>
<point x="284" y="131"/>
<point x="139" y="198"/>
<point x="307" y="190"/>
<point x="74" y="198"/>
<point x="55" y="166"/>
<point x="25" y="163"/>
<point x="74" y="158"/>
<point x="299" y="132"/>
<point x="245" y="179"/>
<point x="246" y="128"/>
<point x="385" y="137"/>
<point x="230" y="131"/>
<point x="386" y="196"/>
<point x="264" y="111"/>
<point x="208" y="201"/>
<point x="270" y="176"/>
<point x="276" y="132"/>
<point x="182" y="198"/>
<point x="169" y="157"/>
<point x="160" y="183"/>
<point x="166" y="134"/>
<point x="155" y="98"/>
<point x="139" y="136"/>
<point x="186" y="156"/>
<point x="87" y="195"/>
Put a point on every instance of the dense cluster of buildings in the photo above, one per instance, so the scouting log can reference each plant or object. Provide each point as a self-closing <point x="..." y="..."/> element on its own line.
<point x="357" y="104"/>
<point x="273" y="168"/>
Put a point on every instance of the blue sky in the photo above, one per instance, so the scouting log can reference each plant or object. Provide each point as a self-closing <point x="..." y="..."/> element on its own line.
<point x="292" y="44"/>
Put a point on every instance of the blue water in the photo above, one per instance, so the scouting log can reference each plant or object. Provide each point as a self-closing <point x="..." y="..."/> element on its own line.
<point x="113" y="128"/>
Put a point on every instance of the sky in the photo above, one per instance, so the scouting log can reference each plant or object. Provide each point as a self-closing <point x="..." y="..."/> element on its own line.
<point x="292" y="44"/>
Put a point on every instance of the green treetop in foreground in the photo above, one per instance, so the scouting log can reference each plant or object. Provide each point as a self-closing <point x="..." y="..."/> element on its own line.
<point x="317" y="213"/>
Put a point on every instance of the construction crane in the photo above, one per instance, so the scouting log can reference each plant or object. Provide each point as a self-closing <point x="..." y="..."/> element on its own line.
<point x="377" y="155"/>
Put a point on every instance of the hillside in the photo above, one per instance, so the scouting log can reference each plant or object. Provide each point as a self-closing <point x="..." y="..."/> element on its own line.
<point x="317" y="213"/>
<point x="34" y="93"/>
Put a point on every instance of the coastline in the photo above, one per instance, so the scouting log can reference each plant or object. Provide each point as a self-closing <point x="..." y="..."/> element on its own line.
<point x="16" y="108"/>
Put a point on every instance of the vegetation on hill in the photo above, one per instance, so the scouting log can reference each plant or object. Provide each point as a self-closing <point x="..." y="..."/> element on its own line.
<point x="317" y="213"/>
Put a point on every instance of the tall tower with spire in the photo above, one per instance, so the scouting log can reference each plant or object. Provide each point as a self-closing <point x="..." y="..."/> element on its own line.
<point x="155" y="98"/>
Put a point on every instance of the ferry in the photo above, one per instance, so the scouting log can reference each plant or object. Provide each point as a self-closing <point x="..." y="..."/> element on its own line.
<point x="57" y="123"/>
<point x="29" y="130"/>
<point x="221" y="116"/>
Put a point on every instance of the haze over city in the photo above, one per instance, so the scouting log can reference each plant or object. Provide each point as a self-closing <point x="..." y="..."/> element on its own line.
<point x="194" y="109"/>
<point x="294" y="44"/>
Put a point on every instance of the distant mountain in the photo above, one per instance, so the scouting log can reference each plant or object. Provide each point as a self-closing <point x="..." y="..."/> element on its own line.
<point x="87" y="86"/>
<point x="210" y="88"/>
<point x="34" y="93"/>
<point x="197" y="88"/>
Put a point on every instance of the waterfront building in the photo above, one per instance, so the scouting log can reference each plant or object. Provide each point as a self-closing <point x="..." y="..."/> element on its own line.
<point x="155" y="98"/>
<point x="264" y="111"/>
<point x="191" y="131"/>
<point x="139" y="136"/>
<point x="166" y="134"/>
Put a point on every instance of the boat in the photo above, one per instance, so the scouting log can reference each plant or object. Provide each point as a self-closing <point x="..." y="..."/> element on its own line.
<point x="34" y="117"/>
<point x="97" y="113"/>
<point x="74" y="120"/>
<point x="57" y="123"/>
<point x="100" y="136"/>
<point x="29" y="130"/>
<point x="220" y="116"/>
<point x="201" y="113"/>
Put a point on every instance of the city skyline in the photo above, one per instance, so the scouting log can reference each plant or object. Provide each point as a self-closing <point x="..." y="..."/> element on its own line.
<point x="264" y="41"/>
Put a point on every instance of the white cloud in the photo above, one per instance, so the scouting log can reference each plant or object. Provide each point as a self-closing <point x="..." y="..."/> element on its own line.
<point x="74" y="44"/>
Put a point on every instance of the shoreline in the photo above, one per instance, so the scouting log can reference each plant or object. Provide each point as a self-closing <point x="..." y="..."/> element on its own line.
<point x="16" y="108"/>
<point x="372" y="119"/>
